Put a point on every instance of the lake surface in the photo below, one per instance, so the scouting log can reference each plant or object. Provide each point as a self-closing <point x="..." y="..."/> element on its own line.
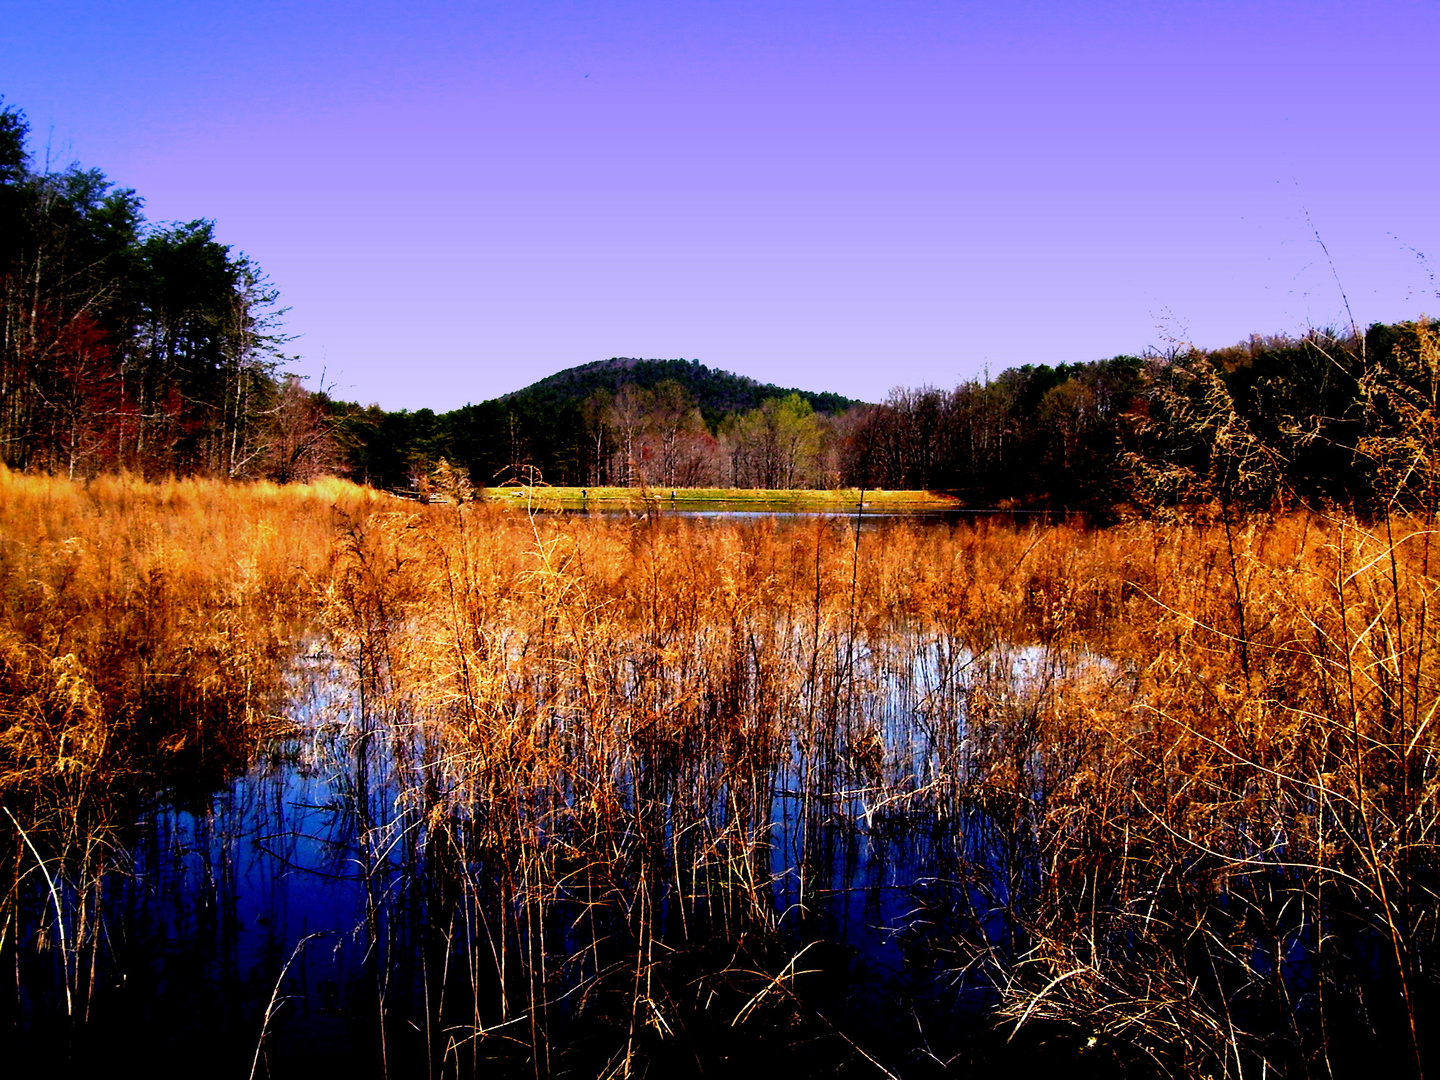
<point x="543" y="798"/>
<point x="306" y="916"/>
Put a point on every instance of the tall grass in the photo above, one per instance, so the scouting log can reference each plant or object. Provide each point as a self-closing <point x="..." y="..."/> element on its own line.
<point x="1158" y="796"/>
<point x="1189" y="769"/>
<point x="144" y="630"/>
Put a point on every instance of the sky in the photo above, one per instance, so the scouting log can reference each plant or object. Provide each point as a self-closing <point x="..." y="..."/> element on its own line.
<point x="457" y="199"/>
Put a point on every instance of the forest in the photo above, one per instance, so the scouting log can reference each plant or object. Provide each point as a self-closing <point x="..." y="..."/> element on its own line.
<point x="127" y="344"/>
<point x="1328" y="418"/>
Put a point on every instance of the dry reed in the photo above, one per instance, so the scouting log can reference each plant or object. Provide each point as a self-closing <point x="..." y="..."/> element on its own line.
<point x="1169" y="791"/>
<point x="144" y="631"/>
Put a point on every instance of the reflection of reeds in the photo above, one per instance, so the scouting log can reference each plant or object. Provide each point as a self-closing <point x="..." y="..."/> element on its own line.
<point x="1239" y="846"/>
<point x="143" y="629"/>
<point x="1167" y="793"/>
<point x="1172" y="801"/>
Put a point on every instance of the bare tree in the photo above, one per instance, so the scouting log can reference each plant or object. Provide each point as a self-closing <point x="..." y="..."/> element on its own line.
<point x="300" y="442"/>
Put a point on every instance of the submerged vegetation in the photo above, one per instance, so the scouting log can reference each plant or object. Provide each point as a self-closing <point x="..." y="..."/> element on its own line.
<point x="646" y="796"/>
<point x="145" y="631"/>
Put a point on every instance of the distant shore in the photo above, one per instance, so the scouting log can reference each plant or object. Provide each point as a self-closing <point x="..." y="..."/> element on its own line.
<point x="618" y="498"/>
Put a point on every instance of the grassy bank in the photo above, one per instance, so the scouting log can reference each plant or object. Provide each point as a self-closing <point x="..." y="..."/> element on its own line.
<point x="606" y="498"/>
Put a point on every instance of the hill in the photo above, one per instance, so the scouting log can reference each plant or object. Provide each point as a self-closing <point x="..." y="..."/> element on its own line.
<point x="717" y="393"/>
<point x="549" y="427"/>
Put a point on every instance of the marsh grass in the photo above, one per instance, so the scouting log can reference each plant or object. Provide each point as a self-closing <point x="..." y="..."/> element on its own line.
<point x="1187" y="767"/>
<point x="144" y="630"/>
<point x="1159" y="797"/>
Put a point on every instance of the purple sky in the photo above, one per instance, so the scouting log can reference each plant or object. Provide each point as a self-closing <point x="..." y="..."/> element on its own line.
<point x="456" y="199"/>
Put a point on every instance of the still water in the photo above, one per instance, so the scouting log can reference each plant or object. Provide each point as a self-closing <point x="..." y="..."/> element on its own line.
<point x="308" y="914"/>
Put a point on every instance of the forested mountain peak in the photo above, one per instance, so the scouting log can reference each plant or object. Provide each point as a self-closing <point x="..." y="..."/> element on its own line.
<point x="716" y="392"/>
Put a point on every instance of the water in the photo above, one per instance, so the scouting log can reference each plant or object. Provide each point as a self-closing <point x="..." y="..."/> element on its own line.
<point x="274" y="923"/>
<point x="869" y="518"/>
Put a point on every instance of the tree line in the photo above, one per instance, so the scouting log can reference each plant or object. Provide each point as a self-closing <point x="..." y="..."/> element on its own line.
<point x="137" y="345"/>
<point x="152" y="347"/>
<point x="619" y="422"/>
<point x="632" y="436"/>
<point x="1325" y="419"/>
<point x="1328" y="418"/>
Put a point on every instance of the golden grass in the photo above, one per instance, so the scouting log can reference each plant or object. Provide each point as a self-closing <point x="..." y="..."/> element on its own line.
<point x="144" y="633"/>
<point x="118" y="595"/>
<point x="1253" y="740"/>
<point x="1171" y="759"/>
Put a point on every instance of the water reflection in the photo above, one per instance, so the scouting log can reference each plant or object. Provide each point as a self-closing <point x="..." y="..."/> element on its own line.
<point x="866" y="518"/>
<point x="343" y="901"/>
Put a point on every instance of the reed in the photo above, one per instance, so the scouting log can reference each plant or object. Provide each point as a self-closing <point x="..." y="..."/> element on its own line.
<point x="1185" y="766"/>
<point x="144" y="630"/>
<point x="1161" y="797"/>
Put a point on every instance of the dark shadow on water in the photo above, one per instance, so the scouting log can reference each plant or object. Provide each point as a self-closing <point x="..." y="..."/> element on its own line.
<point x="298" y="908"/>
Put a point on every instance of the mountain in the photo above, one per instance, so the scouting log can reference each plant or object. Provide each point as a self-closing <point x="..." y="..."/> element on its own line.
<point x="545" y="425"/>
<point x="716" y="392"/>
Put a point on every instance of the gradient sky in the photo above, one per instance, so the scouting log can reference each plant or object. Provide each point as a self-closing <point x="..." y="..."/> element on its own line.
<point x="456" y="199"/>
